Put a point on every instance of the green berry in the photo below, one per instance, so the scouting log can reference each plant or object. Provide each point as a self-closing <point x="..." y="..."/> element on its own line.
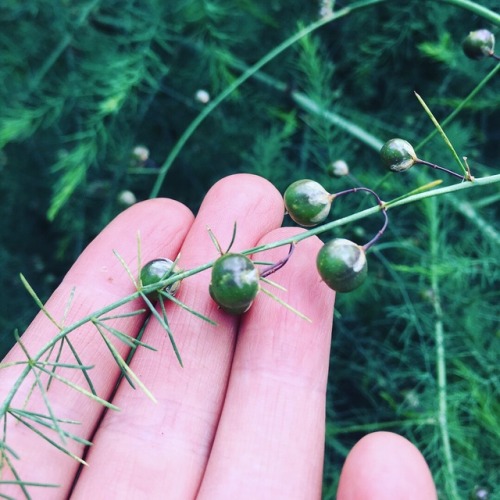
<point x="307" y="202"/>
<point x="398" y="155"/>
<point x="479" y="44"/>
<point x="156" y="271"/>
<point x="235" y="283"/>
<point x="342" y="265"/>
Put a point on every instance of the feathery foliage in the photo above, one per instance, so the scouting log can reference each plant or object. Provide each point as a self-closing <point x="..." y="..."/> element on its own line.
<point x="415" y="350"/>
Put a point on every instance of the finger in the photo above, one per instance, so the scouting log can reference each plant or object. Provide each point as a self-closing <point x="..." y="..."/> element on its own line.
<point x="96" y="280"/>
<point x="270" y="440"/>
<point x="384" y="465"/>
<point x="167" y="445"/>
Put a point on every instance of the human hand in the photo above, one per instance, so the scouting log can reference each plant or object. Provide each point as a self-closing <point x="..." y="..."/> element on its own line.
<point x="244" y="417"/>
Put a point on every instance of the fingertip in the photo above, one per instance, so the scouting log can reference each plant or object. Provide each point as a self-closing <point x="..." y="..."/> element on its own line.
<point x="253" y="191"/>
<point x="385" y="466"/>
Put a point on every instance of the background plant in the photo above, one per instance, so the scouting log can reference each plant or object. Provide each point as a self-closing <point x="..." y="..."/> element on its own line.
<point x="108" y="76"/>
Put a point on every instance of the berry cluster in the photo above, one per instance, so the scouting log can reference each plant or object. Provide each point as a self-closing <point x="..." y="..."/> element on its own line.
<point x="341" y="263"/>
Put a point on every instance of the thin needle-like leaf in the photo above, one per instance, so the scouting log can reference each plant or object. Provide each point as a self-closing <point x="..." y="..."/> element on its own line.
<point x="128" y="373"/>
<point x="66" y="365"/>
<point x="214" y="241"/>
<point x="115" y="355"/>
<point x="80" y="389"/>
<point x="442" y="133"/>
<point x="5" y="447"/>
<point x="26" y="483"/>
<point x="42" y="389"/>
<point x="233" y="237"/>
<point x="18" y="481"/>
<point x="13" y="363"/>
<point x="38" y="302"/>
<point x="126" y="339"/>
<point x="68" y="305"/>
<point x="51" y="441"/>
<point x="187" y="308"/>
<point x="164" y="324"/>
<point x="169" y="332"/>
<point x="127" y="269"/>
<point x="288" y="306"/>
<point x="35" y="415"/>
<point x="83" y="368"/>
<point x="44" y="420"/>
<point x="124" y="315"/>
<point x="273" y="283"/>
<point x="46" y="401"/>
<point x="58" y="357"/>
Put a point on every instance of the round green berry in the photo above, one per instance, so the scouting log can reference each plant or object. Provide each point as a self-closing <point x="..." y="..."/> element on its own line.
<point x="342" y="265"/>
<point x="479" y="44"/>
<point x="307" y="202"/>
<point x="398" y="155"/>
<point x="235" y="283"/>
<point x="157" y="270"/>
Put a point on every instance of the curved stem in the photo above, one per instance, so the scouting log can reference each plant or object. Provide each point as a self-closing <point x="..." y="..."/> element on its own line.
<point x="381" y="204"/>
<point x="243" y="78"/>
<point x="272" y="269"/>
<point x="366" y="246"/>
<point x="438" y="167"/>
<point x="484" y="12"/>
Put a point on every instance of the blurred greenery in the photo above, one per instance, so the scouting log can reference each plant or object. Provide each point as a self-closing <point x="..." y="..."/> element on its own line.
<point x="84" y="83"/>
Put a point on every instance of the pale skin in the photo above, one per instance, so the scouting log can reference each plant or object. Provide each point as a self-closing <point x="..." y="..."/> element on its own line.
<point x="245" y="416"/>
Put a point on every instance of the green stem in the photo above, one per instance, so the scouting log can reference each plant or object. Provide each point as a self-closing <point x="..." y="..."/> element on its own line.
<point x="295" y="239"/>
<point x="252" y="70"/>
<point x="492" y="179"/>
<point x="243" y="78"/>
<point x="348" y="126"/>
<point x="481" y="11"/>
<point x="444" y="137"/>
<point x="442" y="416"/>
<point x="304" y="102"/>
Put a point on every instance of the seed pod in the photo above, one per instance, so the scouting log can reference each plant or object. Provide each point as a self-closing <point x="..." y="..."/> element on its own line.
<point x="126" y="198"/>
<point x="307" y="202"/>
<point x="339" y="168"/>
<point x="479" y="44"/>
<point x="342" y="265"/>
<point x="235" y="283"/>
<point x="398" y="155"/>
<point x="157" y="270"/>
